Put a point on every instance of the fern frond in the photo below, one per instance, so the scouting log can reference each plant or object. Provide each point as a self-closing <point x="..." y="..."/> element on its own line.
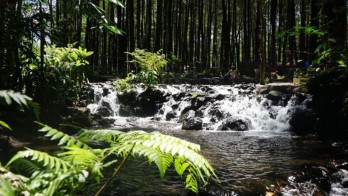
<point x="9" y="96"/>
<point x="42" y="157"/>
<point x="164" y="150"/>
<point x="100" y="135"/>
<point x="26" y="167"/>
<point x="191" y="183"/>
<point x="5" y="125"/>
<point x="6" y="187"/>
<point x="16" y="182"/>
<point x="64" y="139"/>
<point x="85" y="158"/>
<point x="180" y="166"/>
<point x="60" y="180"/>
<point x="36" y="108"/>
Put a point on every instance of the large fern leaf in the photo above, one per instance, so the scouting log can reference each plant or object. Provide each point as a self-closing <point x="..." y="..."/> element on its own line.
<point x="42" y="157"/>
<point x="92" y="160"/>
<point x="164" y="150"/>
<point x="64" y="139"/>
<point x="100" y="135"/>
<point x="9" y="96"/>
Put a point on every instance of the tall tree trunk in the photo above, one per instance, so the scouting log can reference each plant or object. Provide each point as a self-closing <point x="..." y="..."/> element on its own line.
<point x="292" y="38"/>
<point x="302" y="43"/>
<point x="315" y="24"/>
<point x="273" y="52"/>
<point x="158" y="37"/>
<point x="148" y="24"/>
<point x="261" y="40"/>
<point x="130" y="28"/>
<point x="207" y="51"/>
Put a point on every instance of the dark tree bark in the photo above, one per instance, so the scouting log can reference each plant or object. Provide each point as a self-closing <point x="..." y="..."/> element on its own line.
<point x="315" y="24"/>
<point x="261" y="41"/>
<point x="130" y="29"/>
<point x="302" y="41"/>
<point x="273" y="18"/>
<point x="158" y="37"/>
<point x="292" y="38"/>
<point x="148" y="24"/>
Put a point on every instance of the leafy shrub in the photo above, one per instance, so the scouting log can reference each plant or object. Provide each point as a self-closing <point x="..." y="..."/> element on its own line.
<point x="150" y="65"/>
<point x="61" y="78"/>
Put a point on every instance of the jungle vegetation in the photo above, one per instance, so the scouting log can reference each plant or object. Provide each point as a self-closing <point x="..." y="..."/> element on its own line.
<point x="50" y="48"/>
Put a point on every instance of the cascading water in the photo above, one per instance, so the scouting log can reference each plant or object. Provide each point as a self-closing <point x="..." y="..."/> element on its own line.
<point x="218" y="107"/>
<point x="243" y="134"/>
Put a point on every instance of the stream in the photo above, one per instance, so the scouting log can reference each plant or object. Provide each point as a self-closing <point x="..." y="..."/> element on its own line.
<point x="249" y="138"/>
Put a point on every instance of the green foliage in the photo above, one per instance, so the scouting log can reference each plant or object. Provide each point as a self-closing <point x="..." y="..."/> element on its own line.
<point x="150" y="65"/>
<point x="4" y="125"/>
<point x="124" y="85"/>
<point x="8" y="97"/>
<point x="96" y="12"/>
<point x="62" y="76"/>
<point x="66" y="172"/>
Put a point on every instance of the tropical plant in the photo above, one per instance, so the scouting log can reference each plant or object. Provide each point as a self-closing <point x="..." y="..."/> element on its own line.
<point x="150" y="65"/>
<point x="66" y="172"/>
<point x="7" y="97"/>
<point x="64" y="71"/>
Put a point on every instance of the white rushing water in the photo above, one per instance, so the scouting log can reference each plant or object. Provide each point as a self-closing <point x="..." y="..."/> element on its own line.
<point x="217" y="103"/>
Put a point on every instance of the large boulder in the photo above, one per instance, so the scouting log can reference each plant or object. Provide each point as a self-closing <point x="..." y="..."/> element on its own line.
<point x="303" y="121"/>
<point x="104" y="111"/>
<point x="150" y="101"/>
<point x="193" y="123"/>
<point x="231" y="124"/>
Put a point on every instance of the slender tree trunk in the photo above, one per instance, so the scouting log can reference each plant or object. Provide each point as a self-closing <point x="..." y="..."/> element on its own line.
<point x="315" y="24"/>
<point x="261" y="40"/>
<point x="273" y="52"/>
<point x="292" y="38"/>
<point x="302" y="43"/>
<point x="148" y="24"/>
<point x="158" y="37"/>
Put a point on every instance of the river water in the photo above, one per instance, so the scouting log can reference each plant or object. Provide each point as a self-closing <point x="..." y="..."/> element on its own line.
<point x="267" y="158"/>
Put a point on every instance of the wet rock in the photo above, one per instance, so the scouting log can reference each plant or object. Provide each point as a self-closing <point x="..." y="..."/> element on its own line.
<point x="318" y="176"/>
<point x="216" y="113"/>
<point x="231" y="124"/>
<point x="125" y="110"/>
<point x="186" y="115"/>
<point x="179" y="96"/>
<point x="198" y="102"/>
<point x="175" y="106"/>
<point x="302" y="121"/>
<point x="150" y="101"/>
<point x="104" y="111"/>
<point x="274" y="95"/>
<point x="194" y="123"/>
<point x="170" y="115"/>
<point x="219" y="97"/>
<point x="127" y="97"/>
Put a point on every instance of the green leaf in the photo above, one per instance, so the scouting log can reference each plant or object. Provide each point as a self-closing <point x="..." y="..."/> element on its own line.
<point x="117" y="2"/>
<point x="6" y="188"/>
<point x="114" y="30"/>
<point x="5" y="125"/>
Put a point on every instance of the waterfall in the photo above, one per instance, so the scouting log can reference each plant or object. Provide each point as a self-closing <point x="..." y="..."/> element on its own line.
<point x="207" y="107"/>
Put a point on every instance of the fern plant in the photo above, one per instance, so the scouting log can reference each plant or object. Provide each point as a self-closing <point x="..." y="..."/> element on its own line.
<point x="9" y="97"/>
<point x="67" y="171"/>
<point x="150" y="65"/>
